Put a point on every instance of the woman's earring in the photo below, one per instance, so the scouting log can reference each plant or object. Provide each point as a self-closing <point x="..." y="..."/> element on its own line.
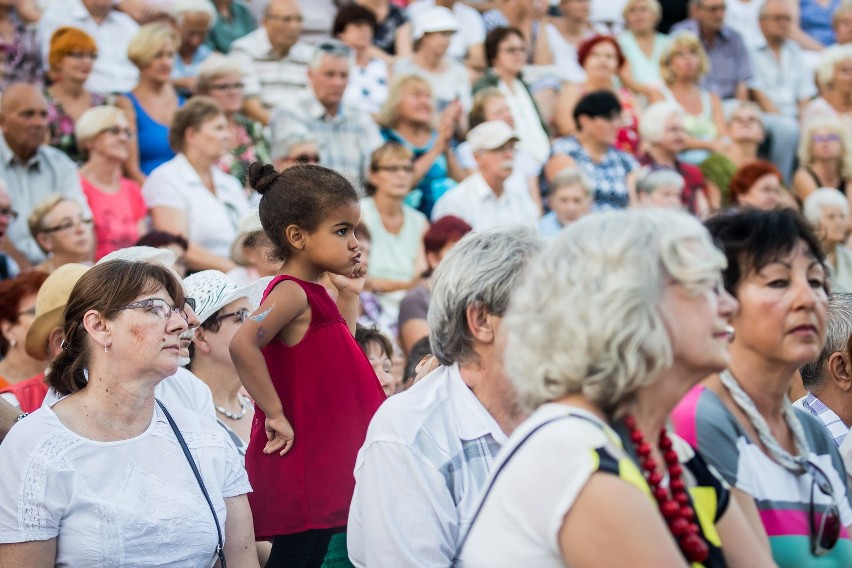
<point x="729" y="329"/>
<point x="13" y="342"/>
<point x="106" y="347"/>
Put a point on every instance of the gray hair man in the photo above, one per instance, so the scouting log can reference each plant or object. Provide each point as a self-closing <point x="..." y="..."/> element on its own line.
<point x="346" y="135"/>
<point x="828" y="380"/>
<point x="429" y="449"/>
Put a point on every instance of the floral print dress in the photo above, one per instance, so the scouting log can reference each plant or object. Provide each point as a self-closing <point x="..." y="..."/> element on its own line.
<point x="60" y="124"/>
<point x="251" y="146"/>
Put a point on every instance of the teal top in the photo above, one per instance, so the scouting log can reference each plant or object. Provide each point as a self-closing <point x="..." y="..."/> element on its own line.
<point x="645" y="70"/>
<point x="225" y="32"/>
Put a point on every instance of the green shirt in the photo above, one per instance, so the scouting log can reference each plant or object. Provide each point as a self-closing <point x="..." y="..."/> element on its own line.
<point x="225" y="32"/>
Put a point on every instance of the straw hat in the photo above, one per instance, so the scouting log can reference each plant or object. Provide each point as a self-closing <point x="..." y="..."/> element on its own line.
<point x="49" y="304"/>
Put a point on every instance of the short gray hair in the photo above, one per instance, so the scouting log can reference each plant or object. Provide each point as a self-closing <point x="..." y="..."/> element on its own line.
<point x="650" y="179"/>
<point x="569" y="177"/>
<point x="652" y="126"/>
<point x="821" y="198"/>
<point x="484" y="267"/>
<point x="214" y="67"/>
<point x="588" y="316"/>
<point x="838" y="329"/>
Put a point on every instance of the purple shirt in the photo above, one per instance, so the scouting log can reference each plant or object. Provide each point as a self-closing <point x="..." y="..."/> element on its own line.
<point x="729" y="59"/>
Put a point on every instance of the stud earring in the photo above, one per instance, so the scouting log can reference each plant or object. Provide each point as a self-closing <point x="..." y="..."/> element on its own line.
<point x="13" y="342"/>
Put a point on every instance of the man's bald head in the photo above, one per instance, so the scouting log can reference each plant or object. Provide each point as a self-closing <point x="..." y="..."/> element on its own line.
<point x="23" y="119"/>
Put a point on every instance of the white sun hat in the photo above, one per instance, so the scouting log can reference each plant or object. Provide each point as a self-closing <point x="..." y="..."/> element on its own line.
<point x="435" y="19"/>
<point x="142" y="254"/>
<point x="212" y="290"/>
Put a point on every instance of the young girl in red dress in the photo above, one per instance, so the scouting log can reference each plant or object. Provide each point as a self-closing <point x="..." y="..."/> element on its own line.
<point x="314" y="389"/>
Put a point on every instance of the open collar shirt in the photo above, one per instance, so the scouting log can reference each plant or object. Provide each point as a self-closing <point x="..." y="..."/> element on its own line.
<point x="474" y="201"/>
<point x="785" y="79"/>
<point x="48" y="172"/>
<point x="826" y="416"/>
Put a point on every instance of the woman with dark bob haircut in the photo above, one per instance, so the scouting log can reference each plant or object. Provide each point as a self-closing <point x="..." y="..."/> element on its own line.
<point x="104" y="474"/>
<point x="741" y="420"/>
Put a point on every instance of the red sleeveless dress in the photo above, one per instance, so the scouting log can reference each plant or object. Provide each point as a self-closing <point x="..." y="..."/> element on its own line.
<point x="329" y="392"/>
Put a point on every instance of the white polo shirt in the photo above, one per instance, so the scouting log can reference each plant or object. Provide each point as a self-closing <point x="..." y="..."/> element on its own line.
<point x="475" y="202"/>
<point x="211" y="219"/>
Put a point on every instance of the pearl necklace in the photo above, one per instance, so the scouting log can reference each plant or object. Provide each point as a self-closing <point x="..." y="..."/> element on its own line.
<point x="674" y="507"/>
<point x="231" y="415"/>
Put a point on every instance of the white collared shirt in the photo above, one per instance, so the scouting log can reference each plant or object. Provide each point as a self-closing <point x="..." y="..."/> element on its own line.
<point x="418" y="476"/>
<point x="112" y="72"/>
<point x="265" y="75"/>
<point x="475" y="202"/>
<point x="785" y="80"/>
<point x="211" y="219"/>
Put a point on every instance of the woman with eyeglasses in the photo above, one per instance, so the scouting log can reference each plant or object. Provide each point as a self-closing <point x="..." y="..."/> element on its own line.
<point x="62" y="231"/>
<point x="293" y="149"/>
<point x="190" y="196"/>
<point x="222" y="307"/>
<point x="397" y="258"/>
<point x="71" y="57"/>
<point x="118" y="210"/>
<point x="220" y="78"/>
<point x="825" y="159"/>
<point x="17" y="312"/>
<point x="741" y="420"/>
<point x="118" y="476"/>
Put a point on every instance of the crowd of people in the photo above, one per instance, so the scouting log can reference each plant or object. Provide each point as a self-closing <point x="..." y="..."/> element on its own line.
<point x="303" y="283"/>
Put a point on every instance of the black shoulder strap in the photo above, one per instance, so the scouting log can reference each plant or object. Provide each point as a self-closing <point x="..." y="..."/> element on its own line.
<point x="220" y="552"/>
<point x="499" y="469"/>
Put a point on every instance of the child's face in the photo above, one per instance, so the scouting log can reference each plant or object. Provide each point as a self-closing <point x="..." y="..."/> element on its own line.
<point x="383" y="367"/>
<point x="333" y="246"/>
<point x="570" y="203"/>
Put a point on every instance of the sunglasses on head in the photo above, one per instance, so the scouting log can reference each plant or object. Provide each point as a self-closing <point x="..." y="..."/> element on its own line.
<point x="824" y="521"/>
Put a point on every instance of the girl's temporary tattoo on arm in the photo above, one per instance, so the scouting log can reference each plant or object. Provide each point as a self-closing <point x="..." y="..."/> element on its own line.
<point x="262" y="315"/>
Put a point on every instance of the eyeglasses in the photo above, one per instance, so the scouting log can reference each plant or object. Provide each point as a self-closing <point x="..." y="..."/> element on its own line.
<point x="716" y="8"/>
<point x="778" y="17"/>
<point x="66" y="225"/>
<point x="514" y="50"/>
<point x="161" y="308"/>
<point x="825" y="526"/>
<point x="9" y="213"/>
<point x="227" y="86"/>
<point x="826" y="138"/>
<point x="214" y="324"/>
<point x="396" y="168"/>
<point x="82" y="55"/>
<point x="305" y="159"/>
<point x="116" y="130"/>
<point x="745" y="120"/>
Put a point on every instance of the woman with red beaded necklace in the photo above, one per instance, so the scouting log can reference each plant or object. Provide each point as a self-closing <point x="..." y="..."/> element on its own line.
<point x="615" y="322"/>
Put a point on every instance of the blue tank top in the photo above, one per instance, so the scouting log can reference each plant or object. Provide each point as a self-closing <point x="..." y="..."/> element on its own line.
<point x="815" y="20"/>
<point x="152" y="138"/>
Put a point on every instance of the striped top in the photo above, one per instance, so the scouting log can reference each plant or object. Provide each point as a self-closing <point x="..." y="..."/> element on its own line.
<point x="782" y="498"/>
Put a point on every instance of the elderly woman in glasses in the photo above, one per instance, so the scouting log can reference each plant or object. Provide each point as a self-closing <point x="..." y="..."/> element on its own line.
<point x="220" y="78"/>
<point x="116" y="483"/>
<point x="741" y="420"/>
<point x="397" y="258"/>
<point x="601" y="371"/>
<point x="63" y="232"/>
<point x="118" y="209"/>
<point x="293" y="149"/>
<point x="827" y="210"/>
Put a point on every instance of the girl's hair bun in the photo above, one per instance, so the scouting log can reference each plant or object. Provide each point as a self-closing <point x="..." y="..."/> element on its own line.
<point x="261" y="176"/>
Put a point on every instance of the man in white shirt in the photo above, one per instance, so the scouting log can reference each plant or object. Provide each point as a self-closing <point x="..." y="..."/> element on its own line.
<point x="273" y="59"/>
<point x="429" y="449"/>
<point x="490" y="197"/>
<point x="780" y="71"/>
<point x="346" y="135"/>
<point x="112" y="72"/>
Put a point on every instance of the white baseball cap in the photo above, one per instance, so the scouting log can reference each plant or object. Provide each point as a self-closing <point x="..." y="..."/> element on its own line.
<point x="435" y="19"/>
<point x="490" y="135"/>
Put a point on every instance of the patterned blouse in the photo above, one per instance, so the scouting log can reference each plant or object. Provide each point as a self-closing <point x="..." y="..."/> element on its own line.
<point x="251" y="146"/>
<point x="60" y="124"/>
<point x="609" y="175"/>
<point x="21" y="59"/>
<point x="386" y="30"/>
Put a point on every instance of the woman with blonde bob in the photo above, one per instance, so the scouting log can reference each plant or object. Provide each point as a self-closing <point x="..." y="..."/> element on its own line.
<point x="151" y="105"/>
<point x="615" y="322"/>
<point x="825" y="159"/>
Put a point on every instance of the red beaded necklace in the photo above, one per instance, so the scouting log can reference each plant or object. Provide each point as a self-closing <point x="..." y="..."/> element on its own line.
<point x="675" y="506"/>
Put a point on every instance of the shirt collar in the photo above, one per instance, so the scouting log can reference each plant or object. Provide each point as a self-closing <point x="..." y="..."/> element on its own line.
<point x="9" y="158"/>
<point x="818" y="407"/>
<point x="472" y="419"/>
<point x="481" y="189"/>
<point x="315" y="109"/>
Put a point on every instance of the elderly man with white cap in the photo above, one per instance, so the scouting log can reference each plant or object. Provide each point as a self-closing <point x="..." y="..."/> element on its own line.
<point x="433" y="30"/>
<point x="490" y="197"/>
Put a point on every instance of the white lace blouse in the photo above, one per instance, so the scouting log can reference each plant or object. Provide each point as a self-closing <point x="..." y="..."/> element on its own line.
<point x="128" y="503"/>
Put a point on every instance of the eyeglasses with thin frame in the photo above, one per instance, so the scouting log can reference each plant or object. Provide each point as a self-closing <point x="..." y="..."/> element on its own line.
<point x="238" y="86"/>
<point x="395" y="168"/>
<point x="66" y="225"/>
<point x="825" y="138"/>
<point x="305" y="158"/>
<point x="9" y="213"/>
<point x="214" y="324"/>
<point x="825" y="525"/>
<point x="116" y="130"/>
<point x="82" y="55"/>
<point x="160" y="308"/>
